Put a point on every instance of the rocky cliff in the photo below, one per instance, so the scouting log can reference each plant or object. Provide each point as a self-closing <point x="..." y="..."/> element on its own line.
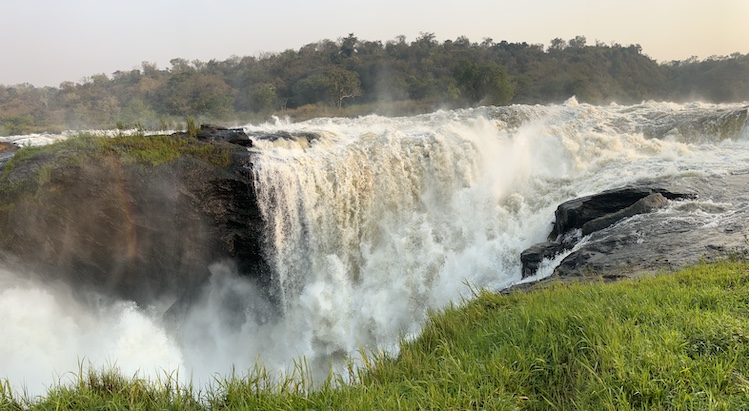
<point x="132" y="227"/>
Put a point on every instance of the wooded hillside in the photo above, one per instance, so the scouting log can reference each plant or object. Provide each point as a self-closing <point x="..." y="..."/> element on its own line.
<point x="352" y="76"/>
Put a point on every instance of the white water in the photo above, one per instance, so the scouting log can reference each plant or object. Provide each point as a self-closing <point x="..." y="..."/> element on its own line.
<point x="41" y="139"/>
<point x="372" y="225"/>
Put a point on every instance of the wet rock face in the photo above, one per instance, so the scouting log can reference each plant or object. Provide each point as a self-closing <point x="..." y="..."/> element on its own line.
<point x="649" y="203"/>
<point x="137" y="232"/>
<point x="704" y="217"/>
<point x="576" y="213"/>
<point x="532" y="257"/>
<point x="594" y="213"/>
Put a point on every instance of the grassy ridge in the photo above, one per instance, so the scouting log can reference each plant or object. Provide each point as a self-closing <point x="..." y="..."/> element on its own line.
<point x="40" y="162"/>
<point x="676" y="342"/>
<point x="153" y="150"/>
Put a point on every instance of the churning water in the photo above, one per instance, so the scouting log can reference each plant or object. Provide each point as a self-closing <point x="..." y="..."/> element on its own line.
<point x="371" y="222"/>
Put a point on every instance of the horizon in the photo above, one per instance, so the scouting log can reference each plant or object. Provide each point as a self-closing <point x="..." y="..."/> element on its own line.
<point x="83" y="38"/>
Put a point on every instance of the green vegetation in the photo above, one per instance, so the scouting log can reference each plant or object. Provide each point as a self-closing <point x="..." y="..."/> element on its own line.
<point x="38" y="164"/>
<point x="672" y="342"/>
<point x="328" y="77"/>
<point x="152" y="150"/>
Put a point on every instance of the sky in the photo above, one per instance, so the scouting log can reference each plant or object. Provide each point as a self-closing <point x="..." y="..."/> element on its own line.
<point x="47" y="42"/>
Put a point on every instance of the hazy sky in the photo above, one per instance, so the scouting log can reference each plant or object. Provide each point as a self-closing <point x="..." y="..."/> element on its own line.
<point x="46" y="42"/>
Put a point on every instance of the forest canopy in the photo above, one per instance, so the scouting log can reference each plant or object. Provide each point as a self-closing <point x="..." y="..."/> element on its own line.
<point x="351" y="76"/>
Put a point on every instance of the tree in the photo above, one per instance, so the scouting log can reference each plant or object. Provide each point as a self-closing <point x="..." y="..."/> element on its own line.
<point x="348" y="45"/>
<point x="343" y="84"/>
<point x="263" y="98"/>
<point x="452" y="72"/>
<point x="12" y="125"/>
<point x="192" y="93"/>
<point x="334" y="84"/>
<point x="557" y="44"/>
<point x="578" y="42"/>
<point x="484" y="83"/>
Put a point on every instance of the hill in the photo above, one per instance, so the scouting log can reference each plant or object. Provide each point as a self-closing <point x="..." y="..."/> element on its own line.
<point x="351" y="76"/>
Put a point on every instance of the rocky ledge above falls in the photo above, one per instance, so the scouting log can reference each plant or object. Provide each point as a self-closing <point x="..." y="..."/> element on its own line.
<point x="108" y="215"/>
<point x="697" y="218"/>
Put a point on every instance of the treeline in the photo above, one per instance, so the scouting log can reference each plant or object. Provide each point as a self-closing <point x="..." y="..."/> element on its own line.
<point x="353" y="76"/>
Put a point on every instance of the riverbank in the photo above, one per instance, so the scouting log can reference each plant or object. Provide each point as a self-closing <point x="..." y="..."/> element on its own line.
<point x="675" y="341"/>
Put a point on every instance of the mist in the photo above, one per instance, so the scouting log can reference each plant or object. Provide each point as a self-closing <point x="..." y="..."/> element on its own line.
<point x="50" y="332"/>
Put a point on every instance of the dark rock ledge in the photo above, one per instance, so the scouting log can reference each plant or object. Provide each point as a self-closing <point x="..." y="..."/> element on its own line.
<point x="701" y="218"/>
<point x="216" y="133"/>
<point x="130" y="231"/>
<point x="586" y="215"/>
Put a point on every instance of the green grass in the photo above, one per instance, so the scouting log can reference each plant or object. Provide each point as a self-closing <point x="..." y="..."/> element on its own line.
<point x="150" y="151"/>
<point x="673" y="342"/>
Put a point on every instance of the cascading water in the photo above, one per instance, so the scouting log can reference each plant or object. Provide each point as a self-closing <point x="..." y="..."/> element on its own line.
<point x="372" y="222"/>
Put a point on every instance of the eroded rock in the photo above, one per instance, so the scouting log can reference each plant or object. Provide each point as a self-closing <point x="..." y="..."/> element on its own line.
<point x="646" y="204"/>
<point x="593" y="213"/>
<point x="709" y="220"/>
<point x="575" y="213"/>
<point x="532" y="257"/>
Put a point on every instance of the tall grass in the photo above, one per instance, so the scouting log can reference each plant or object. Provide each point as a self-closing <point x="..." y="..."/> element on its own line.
<point x="673" y="342"/>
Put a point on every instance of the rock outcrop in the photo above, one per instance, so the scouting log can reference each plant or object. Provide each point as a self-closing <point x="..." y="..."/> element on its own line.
<point x="615" y="235"/>
<point x="647" y="204"/>
<point x="133" y="231"/>
<point x="212" y="132"/>
<point x="576" y="213"/>
<point x="586" y="215"/>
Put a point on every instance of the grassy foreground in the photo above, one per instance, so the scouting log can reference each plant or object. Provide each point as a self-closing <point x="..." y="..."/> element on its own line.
<point x="678" y="341"/>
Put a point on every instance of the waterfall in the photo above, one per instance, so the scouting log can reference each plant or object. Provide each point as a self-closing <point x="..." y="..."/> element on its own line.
<point x="372" y="222"/>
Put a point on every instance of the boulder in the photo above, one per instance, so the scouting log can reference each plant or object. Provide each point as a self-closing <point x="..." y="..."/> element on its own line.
<point x="212" y="132"/>
<point x="575" y="213"/>
<point x="532" y="257"/>
<point x="709" y="221"/>
<point x="586" y="215"/>
<point x="646" y="204"/>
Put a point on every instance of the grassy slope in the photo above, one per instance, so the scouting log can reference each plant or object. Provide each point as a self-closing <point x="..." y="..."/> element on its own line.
<point x="152" y="151"/>
<point x="676" y="341"/>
